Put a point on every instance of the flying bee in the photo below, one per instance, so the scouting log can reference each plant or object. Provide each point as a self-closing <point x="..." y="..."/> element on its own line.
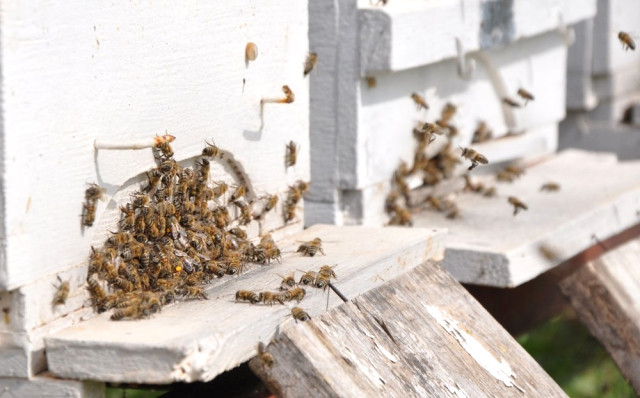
<point x="88" y="214"/>
<point x="247" y="295"/>
<point x="297" y="294"/>
<point x="371" y="81"/>
<point x="517" y="204"/>
<point x="94" y="192"/>
<point x="489" y="192"/>
<point x="289" y="211"/>
<point x="307" y="278"/>
<point x="327" y="271"/>
<point x="626" y="40"/>
<point x="240" y="191"/>
<point x="266" y="358"/>
<point x="401" y="216"/>
<point x="302" y="186"/>
<point x="272" y="201"/>
<point x="482" y="133"/>
<point x="420" y="102"/>
<point x="512" y="103"/>
<point x="270" y="298"/>
<point x="448" y="112"/>
<point x="288" y="281"/>
<point x="475" y="157"/>
<point x="524" y="94"/>
<point x="299" y="314"/>
<point x="289" y="97"/>
<point x="310" y="63"/>
<point x="220" y="189"/>
<point x="550" y="187"/>
<point x="165" y="149"/>
<point x="60" y="297"/>
<point x="311" y="248"/>
<point x="291" y="155"/>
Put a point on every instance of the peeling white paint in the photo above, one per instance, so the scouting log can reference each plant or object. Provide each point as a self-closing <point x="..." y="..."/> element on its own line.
<point x="194" y="365"/>
<point x="498" y="369"/>
<point x="459" y="392"/>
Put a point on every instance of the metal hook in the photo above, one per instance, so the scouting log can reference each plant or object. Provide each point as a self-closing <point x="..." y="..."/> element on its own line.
<point x="466" y="67"/>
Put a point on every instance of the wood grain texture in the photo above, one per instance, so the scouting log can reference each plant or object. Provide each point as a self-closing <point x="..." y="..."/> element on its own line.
<point x="606" y="296"/>
<point x="119" y="72"/>
<point x="45" y="385"/>
<point x="197" y="340"/>
<point x="489" y="246"/>
<point x="418" y="335"/>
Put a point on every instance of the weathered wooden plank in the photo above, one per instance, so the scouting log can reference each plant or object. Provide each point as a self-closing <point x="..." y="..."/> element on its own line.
<point x="196" y="340"/>
<point x="420" y="335"/>
<point x="489" y="246"/>
<point x="606" y="296"/>
<point x="44" y="385"/>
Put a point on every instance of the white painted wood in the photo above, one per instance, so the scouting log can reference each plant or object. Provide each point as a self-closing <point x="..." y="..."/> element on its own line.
<point x="197" y="340"/>
<point x="489" y="246"/>
<point x="615" y="16"/>
<point x="76" y="72"/>
<point x="580" y="90"/>
<point x="408" y="34"/>
<point x="47" y="386"/>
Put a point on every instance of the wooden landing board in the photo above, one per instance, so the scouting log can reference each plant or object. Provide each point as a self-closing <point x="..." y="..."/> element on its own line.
<point x="489" y="246"/>
<point x="606" y="296"/>
<point x="420" y="335"/>
<point x="197" y="340"/>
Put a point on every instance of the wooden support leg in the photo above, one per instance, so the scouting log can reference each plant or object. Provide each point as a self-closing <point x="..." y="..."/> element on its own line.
<point x="605" y="293"/>
<point x="420" y="334"/>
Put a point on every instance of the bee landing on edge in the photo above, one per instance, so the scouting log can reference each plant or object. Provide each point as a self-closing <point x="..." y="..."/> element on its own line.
<point x="420" y="102"/>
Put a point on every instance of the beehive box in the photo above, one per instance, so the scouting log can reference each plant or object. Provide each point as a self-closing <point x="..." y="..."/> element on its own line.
<point x="361" y="133"/>
<point x="75" y="74"/>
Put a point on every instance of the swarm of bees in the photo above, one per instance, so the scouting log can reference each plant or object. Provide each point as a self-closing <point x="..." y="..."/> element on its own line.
<point x="174" y="236"/>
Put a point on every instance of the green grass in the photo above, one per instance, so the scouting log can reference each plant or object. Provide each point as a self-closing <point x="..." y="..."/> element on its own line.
<point x="575" y="360"/>
<point x="113" y="392"/>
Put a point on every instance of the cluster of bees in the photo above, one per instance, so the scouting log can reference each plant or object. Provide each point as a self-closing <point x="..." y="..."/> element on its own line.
<point x="177" y="234"/>
<point x="398" y="203"/>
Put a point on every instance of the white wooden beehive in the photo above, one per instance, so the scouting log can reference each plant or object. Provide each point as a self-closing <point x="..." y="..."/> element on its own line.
<point x="74" y="73"/>
<point x="360" y="134"/>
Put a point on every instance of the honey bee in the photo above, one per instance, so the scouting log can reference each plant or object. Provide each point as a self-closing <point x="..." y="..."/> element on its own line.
<point x="490" y="192"/>
<point x="550" y="187"/>
<point x="322" y="281"/>
<point x="308" y="278"/>
<point x="245" y="211"/>
<point x="195" y="292"/>
<point x="390" y="201"/>
<point x="327" y="271"/>
<point x="505" y="176"/>
<point x="247" y="295"/>
<point x="271" y="202"/>
<point x="297" y="294"/>
<point x="220" y="189"/>
<point x="626" y="40"/>
<point x="309" y="64"/>
<point x="299" y="314"/>
<point x="88" y="214"/>
<point x="517" y="204"/>
<point x="448" y="112"/>
<point x="311" y="248"/>
<point x="266" y="358"/>
<point x="250" y="52"/>
<point x="524" y="94"/>
<point x="60" y="297"/>
<point x="211" y="150"/>
<point x="401" y="216"/>
<point x="475" y="157"/>
<point x="289" y="212"/>
<point x="94" y="192"/>
<point x="127" y="312"/>
<point x="287" y="282"/>
<point x="371" y="81"/>
<point x="549" y="253"/>
<point x="140" y="200"/>
<point x="6" y="311"/>
<point x="289" y="97"/>
<point x="204" y="169"/>
<point x="291" y="155"/>
<point x="482" y="133"/>
<point x="154" y="177"/>
<point x="420" y="102"/>
<point x="165" y="150"/>
<point x="512" y="103"/>
<point x="120" y="238"/>
<point x="240" y="191"/>
<point x="270" y="298"/>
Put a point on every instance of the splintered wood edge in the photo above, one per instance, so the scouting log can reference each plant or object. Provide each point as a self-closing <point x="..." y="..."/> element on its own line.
<point x="420" y="332"/>
<point x="203" y="352"/>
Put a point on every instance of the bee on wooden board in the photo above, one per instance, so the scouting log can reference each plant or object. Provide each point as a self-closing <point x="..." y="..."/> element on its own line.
<point x="307" y="278"/>
<point x="291" y="155"/>
<point x="327" y="271"/>
<point x="550" y="187"/>
<point x="270" y="298"/>
<point x="62" y="292"/>
<point x="299" y="314"/>
<point x="517" y="204"/>
<point x="475" y="157"/>
<point x="247" y="295"/>
<point x="287" y="282"/>
<point x="524" y="94"/>
<point x="627" y="41"/>
<point x="7" y="318"/>
<point x="310" y="63"/>
<point x="311" y="248"/>
<point x="297" y="293"/>
<point x="266" y="358"/>
<point x="420" y="102"/>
